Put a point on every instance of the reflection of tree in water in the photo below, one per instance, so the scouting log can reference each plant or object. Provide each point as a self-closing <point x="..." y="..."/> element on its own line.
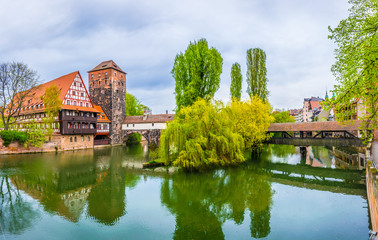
<point x="16" y="215"/>
<point x="203" y="202"/>
<point x="277" y="150"/>
<point x="106" y="201"/>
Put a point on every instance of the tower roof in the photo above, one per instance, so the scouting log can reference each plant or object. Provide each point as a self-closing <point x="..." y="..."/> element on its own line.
<point x="106" y="65"/>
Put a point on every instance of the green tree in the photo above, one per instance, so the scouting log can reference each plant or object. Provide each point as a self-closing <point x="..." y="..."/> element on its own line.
<point x="250" y="119"/>
<point x="133" y="106"/>
<point x="201" y="137"/>
<point x="356" y="64"/>
<point x="282" y="117"/>
<point x="256" y="73"/>
<point x="52" y="105"/>
<point x="236" y="81"/>
<point x="196" y="73"/>
<point x="17" y="85"/>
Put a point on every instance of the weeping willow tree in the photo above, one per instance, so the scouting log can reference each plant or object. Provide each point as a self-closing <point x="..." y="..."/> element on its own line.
<point x="207" y="134"/>
<point x="201" y="137"/>
<point x="251" y="119"/>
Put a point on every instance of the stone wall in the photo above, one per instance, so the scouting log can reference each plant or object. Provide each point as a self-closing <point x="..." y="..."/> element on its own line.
<point x="72" y="142"/>
<point x="107" y="89"/>
<point x="57" y="143"/>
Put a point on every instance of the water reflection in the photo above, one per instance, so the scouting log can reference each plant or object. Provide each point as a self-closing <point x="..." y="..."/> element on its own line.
<point x="216" y="197"/>
<point x="95" y="186"/>
<point x="16" y="214"/>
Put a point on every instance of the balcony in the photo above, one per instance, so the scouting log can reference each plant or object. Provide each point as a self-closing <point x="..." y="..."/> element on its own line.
<point x="76" y="131"/>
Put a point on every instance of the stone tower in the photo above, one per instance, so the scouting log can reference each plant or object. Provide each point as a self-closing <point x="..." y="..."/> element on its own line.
<point x="107" y="88"/>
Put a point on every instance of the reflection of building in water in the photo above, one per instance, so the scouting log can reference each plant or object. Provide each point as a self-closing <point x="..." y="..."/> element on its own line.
<point x="349" y="157"/>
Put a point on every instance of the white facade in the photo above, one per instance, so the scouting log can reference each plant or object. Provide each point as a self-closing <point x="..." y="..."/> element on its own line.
<point x="143" y="126"/>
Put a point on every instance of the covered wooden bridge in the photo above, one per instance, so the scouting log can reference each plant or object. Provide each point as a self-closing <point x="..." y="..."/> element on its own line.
<point x="316" y="133"/>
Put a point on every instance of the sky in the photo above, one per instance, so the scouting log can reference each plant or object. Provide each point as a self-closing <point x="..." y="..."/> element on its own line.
<point x="143" y="37"/>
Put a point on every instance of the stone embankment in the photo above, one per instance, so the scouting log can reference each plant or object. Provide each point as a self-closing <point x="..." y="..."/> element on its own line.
<point x="372" y="185"/>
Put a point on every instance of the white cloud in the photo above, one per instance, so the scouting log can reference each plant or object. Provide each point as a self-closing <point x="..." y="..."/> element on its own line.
<point x="143" y="37"/>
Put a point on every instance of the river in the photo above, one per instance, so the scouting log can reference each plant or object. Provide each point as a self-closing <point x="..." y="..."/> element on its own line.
<point x="285" y="193"/>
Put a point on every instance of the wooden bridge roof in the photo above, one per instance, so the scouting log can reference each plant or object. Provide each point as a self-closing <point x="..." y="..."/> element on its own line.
<point x="151" y="118"/>
<point x="312" y="126"/>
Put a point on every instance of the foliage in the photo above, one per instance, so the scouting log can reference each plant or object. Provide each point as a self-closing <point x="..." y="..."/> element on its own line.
<point x="17" y="84"/>
<point x="283" y="117"/>
<point x="36" y="136"/>
<point x="356" y="64"/>
<point x="201" y="137"/>
<point x="133" y="106"/>
<point x="256" y="73"/>
<point x="251" y="120"/>
<point x="133" y="139"/>
<point x="9" y="136"/>
<point x="52" y="105"/>
<point x="236" y="81"/>
<point x="217" y="197"/>
<point x="207" y="134"/>
<point x="196" y="73"/>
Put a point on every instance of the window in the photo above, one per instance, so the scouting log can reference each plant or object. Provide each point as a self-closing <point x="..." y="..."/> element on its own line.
<point x="152" y="124"/>
<point x="92" y="76"/>
<point x="81" y="104"/>
<point x="87" y="105"/>
<point x="73" y="92"/>
<point x="82" y="94"/>
<point x="75" y="139"/>
<point x="74" y="84"/>
<point x="89" y="139"/>
<point x="82" y="138"/>
<point x="70" y="139"/>
<point x="99" y="75"/>
<point x="74" y="103"/>
<point x="68" y="102"/>
<point x="106" y="74"/>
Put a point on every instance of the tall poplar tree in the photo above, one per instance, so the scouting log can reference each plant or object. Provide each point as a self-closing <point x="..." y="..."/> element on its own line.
<point x="356" y="66"/>
<point x="236" y="81"/>
<point x="256" y="73"/>
<point x="197" y="73"/>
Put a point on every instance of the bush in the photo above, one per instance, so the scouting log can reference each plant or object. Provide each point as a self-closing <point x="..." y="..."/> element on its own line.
<point x="133" y="139"/>
<point x="9" y="136"/>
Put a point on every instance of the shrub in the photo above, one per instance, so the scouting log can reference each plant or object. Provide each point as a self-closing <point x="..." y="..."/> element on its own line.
<point x="133" y="139"/>
<point x="9" y="136"/>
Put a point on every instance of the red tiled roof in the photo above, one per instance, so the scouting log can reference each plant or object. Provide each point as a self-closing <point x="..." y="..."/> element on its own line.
<point x="106" y="65"/>
<point x="101" y="113"/>
<point x="152" y="118"/>
<point x="63" y="83"/>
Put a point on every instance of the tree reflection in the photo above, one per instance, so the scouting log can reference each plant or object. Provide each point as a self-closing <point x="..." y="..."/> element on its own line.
<point x="106" y="201"/>
<point x="203" y="202"/>
<point x="16" y="215"/>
